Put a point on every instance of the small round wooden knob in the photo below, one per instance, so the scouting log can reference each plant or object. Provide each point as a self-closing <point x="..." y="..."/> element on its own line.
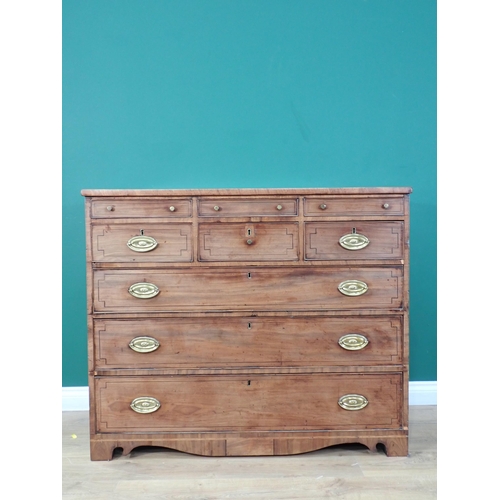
<point x="111" y="208"/>
<point x="385" y="205"/>
<point x="216" y="208"/>
<point x="279" y="207"/>
<point x="172" y="208"/>
<point x="322" y="206"/>
<point x="249" y="242"/>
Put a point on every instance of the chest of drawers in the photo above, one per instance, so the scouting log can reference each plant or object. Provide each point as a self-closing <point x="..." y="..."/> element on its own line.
<point x="247" y="322"/>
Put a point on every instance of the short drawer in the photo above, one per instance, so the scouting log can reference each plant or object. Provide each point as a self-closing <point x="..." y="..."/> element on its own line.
<point x="248" y="288"/>
<point x="339" y="206"/>
<point x="251" y="402"/>
<point x="248" y="242"/>
<point x="129" y="208"/>
<point x="222" y="342"/>
<point x="142" y="243"/>
<point x="247" y="207"/>
<point x="353" y="240"/>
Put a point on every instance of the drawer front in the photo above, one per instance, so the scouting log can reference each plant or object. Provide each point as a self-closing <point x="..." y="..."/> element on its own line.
<point x="251" y="402"/>
<point x="193" y="343"/>
<point x="243" y="207"/>
<point x="140" y="207"/>
<point x="353" y="240"/>
<point x="265" y="289"/>
<point x="142" y="243"/>
<point x="248" y="242"/>
<point x="353" y="206"/>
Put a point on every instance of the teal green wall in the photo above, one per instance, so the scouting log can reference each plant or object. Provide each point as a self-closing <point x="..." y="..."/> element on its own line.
<point x="249" y="93"/>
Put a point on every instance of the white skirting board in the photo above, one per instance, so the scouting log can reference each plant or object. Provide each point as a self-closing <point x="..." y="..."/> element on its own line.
<point x="77" y="398"/>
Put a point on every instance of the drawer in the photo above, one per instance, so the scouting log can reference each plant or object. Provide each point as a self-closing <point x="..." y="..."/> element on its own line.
<point x="222" y="342"/>
<point x="142" y="243"/>
<point x="353" y="240"/>
<point x="130" y="208"/>
<point x="353" y="206"/>
<point x="228" y="242"/>
<point x="248" y="288"/>
<point x="247" y="207"/>
<point x="256" y="402"/>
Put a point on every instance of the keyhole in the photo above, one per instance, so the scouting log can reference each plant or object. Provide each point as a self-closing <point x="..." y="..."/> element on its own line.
<point x="249" y="232"/>
<point x="353" y="230"/>
<point x="248" y="383"/>
<point x="142" y="232"/>
<point x="249" y="275"/>
<point x="249" y="325"/>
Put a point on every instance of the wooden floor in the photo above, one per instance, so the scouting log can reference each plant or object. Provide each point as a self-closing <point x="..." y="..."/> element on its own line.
<point x="341" y="472"/>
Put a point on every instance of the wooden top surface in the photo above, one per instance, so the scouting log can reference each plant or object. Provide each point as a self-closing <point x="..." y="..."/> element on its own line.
<point x="246" y="191"/>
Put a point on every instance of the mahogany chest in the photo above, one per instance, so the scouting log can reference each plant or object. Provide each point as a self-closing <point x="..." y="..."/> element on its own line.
<point x="233" y="322"/>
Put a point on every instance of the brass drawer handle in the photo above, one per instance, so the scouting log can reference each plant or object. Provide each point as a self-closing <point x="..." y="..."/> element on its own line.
<point x="142" y="243"/>
<point x="249" y="242"/>
<point x="353" y="402"/>
<point x="172" y="208"/>
<point x="144" y="290"/>
<point x="110" y="208"/>
<point x="354" y="241"/>
<point x="386" y="205"/>
<point x="216" y="208"/>
<point x="353" y="342"/>
<point x="353" y="288"/>
<point x="279" y="207"/>
<point x="144" y="344"/>
<point x="323" y="206"/>
<point x="145" y="404"/>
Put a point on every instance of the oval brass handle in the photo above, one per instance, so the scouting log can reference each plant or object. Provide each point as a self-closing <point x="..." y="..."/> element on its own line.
<point x="172" y="208"/>
<point x="352" y="402"/>
<point x="216" y="208"/>
<point x="144" y="290"/>
<point x="353" y="342"/>
<point x="353" y="288"/>
<point x="111" y="208"/>
<point x="279" y="207"/>
<point x="145" y="404"/>
<point x="354" y="241"/>
<point x="142" y="243"/>
<point x="386" y="205"/>
<point x="144" y="344"/>
<point x="249" y="242"/>
<point x="322" y="206"/>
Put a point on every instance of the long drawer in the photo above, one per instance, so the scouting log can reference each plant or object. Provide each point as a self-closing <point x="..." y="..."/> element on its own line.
<point x="248" y="288"/>
<point x="225" y="342"/>
<point x="257" y="402"/>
